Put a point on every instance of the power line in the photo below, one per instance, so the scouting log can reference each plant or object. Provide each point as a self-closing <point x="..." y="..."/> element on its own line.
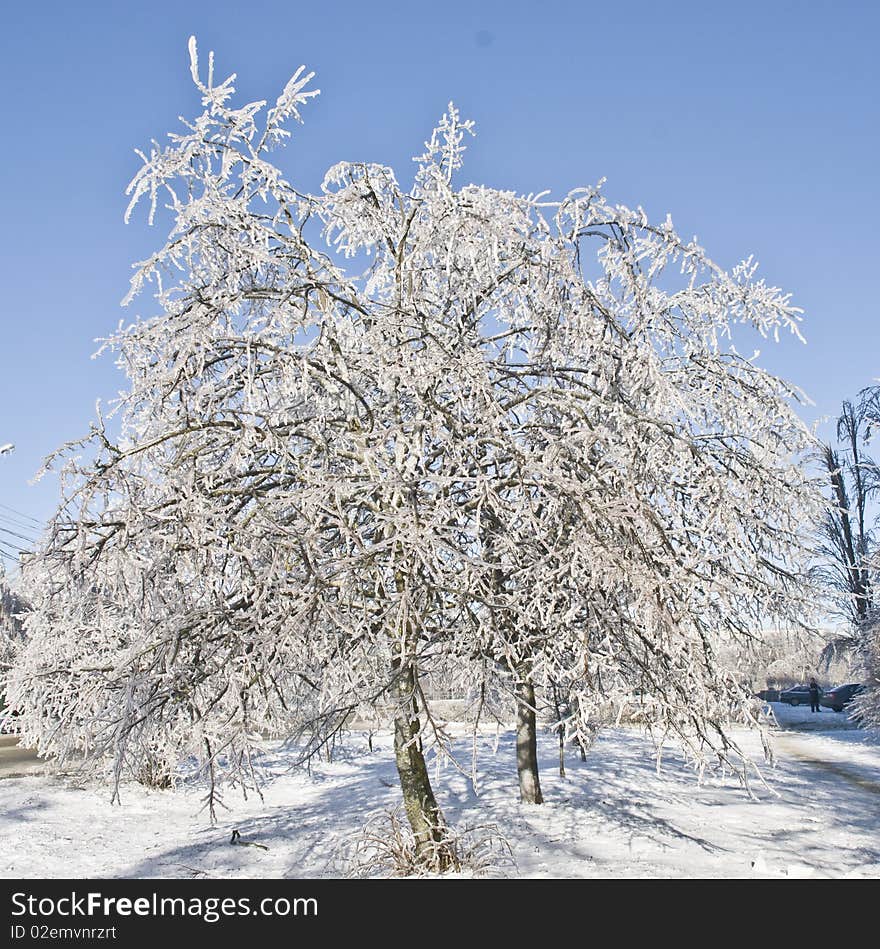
<point x="21" y="518"/>
<point x="14" y="557"/>
<point x="27" y="517"/>
<point x="11" y="553"/>
<point x="11" y="522"/>
<point x="6" y="530"/>
<point x="10" y="544"/>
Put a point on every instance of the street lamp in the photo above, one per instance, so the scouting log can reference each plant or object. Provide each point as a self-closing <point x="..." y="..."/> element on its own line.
<point x="6" y="449"/>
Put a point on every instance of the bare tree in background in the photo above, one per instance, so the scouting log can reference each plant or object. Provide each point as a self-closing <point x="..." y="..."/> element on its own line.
<point x="868" y="704"/>
<point x="846" y="536"/>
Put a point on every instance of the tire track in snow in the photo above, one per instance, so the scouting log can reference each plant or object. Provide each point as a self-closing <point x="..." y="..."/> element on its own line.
<point x="854" y="775"/>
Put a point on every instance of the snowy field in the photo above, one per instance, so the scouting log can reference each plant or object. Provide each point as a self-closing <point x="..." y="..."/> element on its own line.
<point x="613" y="816"/>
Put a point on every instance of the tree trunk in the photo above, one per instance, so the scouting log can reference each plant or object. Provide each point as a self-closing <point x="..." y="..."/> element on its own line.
<point x="527" y="744"/>
<point x="422" y="810"/>
<point x="560" y="728"/>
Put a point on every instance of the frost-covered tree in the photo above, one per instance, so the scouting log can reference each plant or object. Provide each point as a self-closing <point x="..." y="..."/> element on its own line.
<point x="867" y="705"/>
<point x="636" y="487"/>
<point x="516" y="442"/>
<point x="12" y="610"/>
<point x="846" y="548"/>
<point x="866" y="633"/>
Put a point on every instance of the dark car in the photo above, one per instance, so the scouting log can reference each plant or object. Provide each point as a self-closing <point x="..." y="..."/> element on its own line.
<point x="797" y="695"/>
<point x="768" y="695"/>
<point x="841" y="695"/>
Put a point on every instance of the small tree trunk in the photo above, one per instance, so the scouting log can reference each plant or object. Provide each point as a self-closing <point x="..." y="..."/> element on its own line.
<point x="527" y="744"/>
<point x="422" y="810"/>
<point x="560" y="728"/>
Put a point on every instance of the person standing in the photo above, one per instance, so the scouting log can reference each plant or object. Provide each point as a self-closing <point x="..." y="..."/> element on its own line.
<point x="814" y="696"/>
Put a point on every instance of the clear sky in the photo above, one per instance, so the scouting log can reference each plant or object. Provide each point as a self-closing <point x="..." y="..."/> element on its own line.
<point x="755" y="124"/>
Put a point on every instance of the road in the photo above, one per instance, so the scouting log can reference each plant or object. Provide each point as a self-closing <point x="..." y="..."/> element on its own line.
<point x="16" y="761"/>
<point x="839" y="758"/>
<point x="794" y="745"/>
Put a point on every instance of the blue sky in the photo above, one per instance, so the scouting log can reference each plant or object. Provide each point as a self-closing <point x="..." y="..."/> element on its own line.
<point x="754" y="124"/>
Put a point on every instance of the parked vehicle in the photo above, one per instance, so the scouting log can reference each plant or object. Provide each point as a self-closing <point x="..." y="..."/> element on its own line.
<point x="840" y="696"/>
<point x="798" y="695"/>
<point x="768" y="695"/>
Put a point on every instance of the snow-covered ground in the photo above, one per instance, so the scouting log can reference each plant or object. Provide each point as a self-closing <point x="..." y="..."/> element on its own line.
<point x="613" y="816"/>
